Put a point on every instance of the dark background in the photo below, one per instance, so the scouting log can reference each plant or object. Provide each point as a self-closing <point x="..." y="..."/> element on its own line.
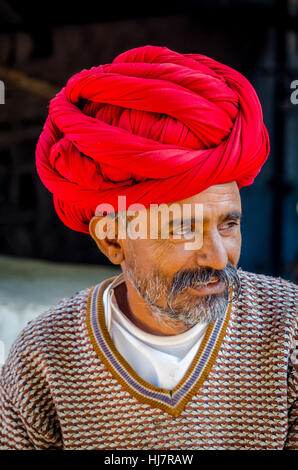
<point x="42" y="44"/>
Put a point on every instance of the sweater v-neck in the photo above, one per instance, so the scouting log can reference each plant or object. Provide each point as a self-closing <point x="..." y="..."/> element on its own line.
<point x="171" y="401"/>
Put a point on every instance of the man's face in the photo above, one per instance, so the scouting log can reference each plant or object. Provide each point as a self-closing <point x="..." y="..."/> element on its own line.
<point x="169" y="277"/>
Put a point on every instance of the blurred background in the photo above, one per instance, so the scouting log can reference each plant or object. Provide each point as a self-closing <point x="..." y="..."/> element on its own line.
<point x="41" y="260"/>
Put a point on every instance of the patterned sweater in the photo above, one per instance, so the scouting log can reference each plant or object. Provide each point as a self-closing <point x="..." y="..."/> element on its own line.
<point x="65" y="386"/>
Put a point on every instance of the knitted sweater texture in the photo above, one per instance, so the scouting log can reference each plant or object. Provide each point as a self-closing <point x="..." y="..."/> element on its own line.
<point x="65" y="386"/>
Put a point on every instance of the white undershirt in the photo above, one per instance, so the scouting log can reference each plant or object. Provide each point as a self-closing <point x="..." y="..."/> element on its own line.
<point x="160" y="360"/>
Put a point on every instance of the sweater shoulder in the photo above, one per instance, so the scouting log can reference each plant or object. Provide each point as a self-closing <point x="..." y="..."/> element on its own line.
<point x="269" y="295"/>
<point x="60" y="315"/>
<point x="26" y="382"/>
<point x="39" y="342"/>
<point x="266" y="285"/>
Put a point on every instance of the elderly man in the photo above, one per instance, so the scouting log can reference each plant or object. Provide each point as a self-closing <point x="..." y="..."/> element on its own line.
<point x="184" y="349"/>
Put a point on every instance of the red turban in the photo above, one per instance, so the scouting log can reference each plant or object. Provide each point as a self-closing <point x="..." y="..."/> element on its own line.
<point x="155" y="126"/>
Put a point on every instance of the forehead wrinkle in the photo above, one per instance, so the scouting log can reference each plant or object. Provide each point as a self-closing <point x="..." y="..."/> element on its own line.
<point x="231" y="214"/>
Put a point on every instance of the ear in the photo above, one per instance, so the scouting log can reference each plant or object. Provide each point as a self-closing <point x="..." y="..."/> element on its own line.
<point x="103" y="230"/>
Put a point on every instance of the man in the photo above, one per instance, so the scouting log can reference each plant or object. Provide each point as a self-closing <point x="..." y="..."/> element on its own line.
<point x="183" y="350"/>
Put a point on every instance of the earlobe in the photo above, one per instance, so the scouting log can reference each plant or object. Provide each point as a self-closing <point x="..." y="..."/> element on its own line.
<point x="117" y="257"/>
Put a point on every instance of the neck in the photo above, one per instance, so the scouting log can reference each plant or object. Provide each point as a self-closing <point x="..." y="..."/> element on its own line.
<point x="139" y="312"/>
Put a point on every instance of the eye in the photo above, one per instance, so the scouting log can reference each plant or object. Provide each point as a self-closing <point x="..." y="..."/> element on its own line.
<point x="182" y="231"/>
<point x="229" y="226"/>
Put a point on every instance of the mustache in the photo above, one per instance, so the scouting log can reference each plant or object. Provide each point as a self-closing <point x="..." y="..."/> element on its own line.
<point x="184" y="279"/>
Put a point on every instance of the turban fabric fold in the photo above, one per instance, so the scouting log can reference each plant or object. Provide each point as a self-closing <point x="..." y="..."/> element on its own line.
<point x="155" y="126"/>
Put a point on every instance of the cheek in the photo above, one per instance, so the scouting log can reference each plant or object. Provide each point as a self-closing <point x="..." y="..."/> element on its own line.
<point x="233" y="246"/>
<point x="144" y="254"/>
<point x="172" y="257"/>
<point x="166" y="257"/>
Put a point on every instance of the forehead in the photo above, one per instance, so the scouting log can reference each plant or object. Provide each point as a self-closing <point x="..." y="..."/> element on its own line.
<point x="216" y="196"/>
<point x="215" y="202"/>
<point x="213" y="197"/>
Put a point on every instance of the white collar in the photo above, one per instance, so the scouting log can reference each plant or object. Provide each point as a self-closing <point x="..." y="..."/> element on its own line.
<point x="115" y="314"/>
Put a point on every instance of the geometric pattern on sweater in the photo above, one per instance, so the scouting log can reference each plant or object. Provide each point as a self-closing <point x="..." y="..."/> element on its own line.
<point x="171" y="401"/>
<point x="56" y="393"/>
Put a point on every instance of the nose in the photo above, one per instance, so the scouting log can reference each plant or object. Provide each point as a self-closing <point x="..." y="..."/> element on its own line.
<point x="213" y="252"/>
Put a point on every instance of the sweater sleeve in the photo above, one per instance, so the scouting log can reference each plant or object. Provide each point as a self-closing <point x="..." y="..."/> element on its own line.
<point x="13" y="433"/>
<point x="28" y="418"/>
<point x="291" y="442"/>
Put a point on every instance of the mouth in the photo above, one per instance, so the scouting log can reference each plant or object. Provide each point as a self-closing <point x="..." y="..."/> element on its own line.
<point x="214" y="286"/>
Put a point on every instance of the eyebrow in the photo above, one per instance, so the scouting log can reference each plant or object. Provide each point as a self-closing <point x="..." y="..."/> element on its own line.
<point x="236" y="215"/>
